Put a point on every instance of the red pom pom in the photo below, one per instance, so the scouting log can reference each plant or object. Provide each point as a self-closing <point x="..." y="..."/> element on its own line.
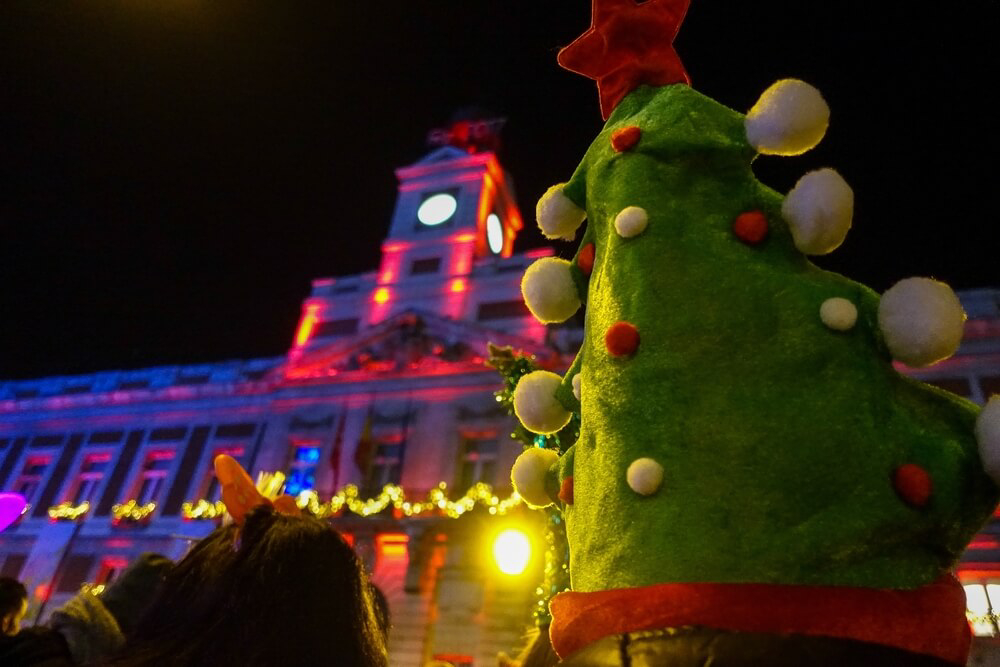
<point x="624" y="139"/>
<point x="566" y="490"/>
<point x="622" y="339"/>
<point x="585" y="259"/>
<point x="750" y="227"/>
<point x="913" y="484"/>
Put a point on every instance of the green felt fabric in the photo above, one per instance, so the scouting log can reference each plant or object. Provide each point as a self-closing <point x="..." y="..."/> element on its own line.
<point x="777" y="435"/>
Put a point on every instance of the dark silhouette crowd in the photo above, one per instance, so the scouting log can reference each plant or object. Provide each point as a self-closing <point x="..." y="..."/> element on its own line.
<point x="270" y="587"/>
<point x="276" y="590"/>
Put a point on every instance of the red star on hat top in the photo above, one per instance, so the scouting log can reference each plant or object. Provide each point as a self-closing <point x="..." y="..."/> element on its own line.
<point x="629" y="44"/>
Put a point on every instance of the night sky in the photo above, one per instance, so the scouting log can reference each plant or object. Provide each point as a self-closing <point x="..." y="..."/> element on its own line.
<point x="173" y="173"/>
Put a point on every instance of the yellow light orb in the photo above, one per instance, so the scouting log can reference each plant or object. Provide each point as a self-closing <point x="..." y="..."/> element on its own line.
<point x="512" y="551"/>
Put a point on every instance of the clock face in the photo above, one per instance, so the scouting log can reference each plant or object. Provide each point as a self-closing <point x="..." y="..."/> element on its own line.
<point x="437" y="209"/>
<point x="494" y="233"/>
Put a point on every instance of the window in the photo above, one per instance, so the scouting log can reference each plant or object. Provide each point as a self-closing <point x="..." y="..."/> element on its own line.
<point x="88" y="481"/>
<point x="344" y="327"/>
<point x="479" y="460"/>
<point x="153" y="477"/>
<point x="193" y="379"/>
<point x="498" y="310"/>
<point x="385" y="465"/>
<point x="240" y="430"/>
<point x="420" y="266"/>
<point x="12" y="565"/>
<point x="982" y="601"/>
<point x="128" y="385"/>
<point x="211" y="491"/>
<point x="106" y="437"/>
<point x="168" y="434"/>
<point x="31" y="476"/>
<point x="302" y="471"/>
<point x="74" y="573"/>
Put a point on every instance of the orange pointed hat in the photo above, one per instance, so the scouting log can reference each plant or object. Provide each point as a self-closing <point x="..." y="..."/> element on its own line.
<point x="241" y="495"/>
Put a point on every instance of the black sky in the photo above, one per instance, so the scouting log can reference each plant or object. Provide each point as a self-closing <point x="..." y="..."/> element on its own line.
<point x="173" y="173"/>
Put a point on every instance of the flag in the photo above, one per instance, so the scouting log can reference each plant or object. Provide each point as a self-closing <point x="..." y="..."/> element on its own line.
<point x="366" y="444"/>
<point x="338" y="448"/>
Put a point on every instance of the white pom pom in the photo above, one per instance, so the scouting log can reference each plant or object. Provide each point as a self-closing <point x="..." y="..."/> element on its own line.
<point x="789" y="118"/>
<point x="577" y="380"/>
<point x="535" y="403"/>
<point x="988" y="436"/>
<point x="818" y="211"/>
<point x="557" y="216"/>
<point x="839" y="314"/>
<point x="644" y="476"/>
<point x="631" y="221"/>
<point x="549" y="291"/>
<point x="528" y="475"/>
<point x="922" y="321"/>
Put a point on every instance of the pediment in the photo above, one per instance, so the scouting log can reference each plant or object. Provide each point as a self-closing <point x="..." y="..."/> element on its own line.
<point x="442" y="154"/>
<point x="410" y="343"/>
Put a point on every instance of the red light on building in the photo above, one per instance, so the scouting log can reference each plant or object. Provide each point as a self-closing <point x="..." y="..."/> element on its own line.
<point x="42" y="591"/>
<point x="381" y="295"/>
<point x="119" y="544"/>
<point x="392" y="546"/>
<point x="985" y="543"/>
<point x="457" y="285"/>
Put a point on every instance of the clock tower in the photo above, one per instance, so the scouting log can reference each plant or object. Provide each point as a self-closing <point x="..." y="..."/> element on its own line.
<point x="449" y="250"/>
<point x="455" y="207"/>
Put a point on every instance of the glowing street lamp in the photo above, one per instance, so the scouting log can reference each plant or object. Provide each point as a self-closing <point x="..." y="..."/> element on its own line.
<point x="512" y="551"/>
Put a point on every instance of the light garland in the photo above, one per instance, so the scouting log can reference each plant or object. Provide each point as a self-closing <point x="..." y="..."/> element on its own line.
<point x="392" y="495"/>
<point x="132" y="511"/>
<point x="203" y="509"/>
<point x="988" y="617"/>
<point x="68" y="511"/>
<point x="93" y="589"/>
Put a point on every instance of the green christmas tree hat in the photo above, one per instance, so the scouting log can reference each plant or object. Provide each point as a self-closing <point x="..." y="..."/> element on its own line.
<point x="741" y="419"/>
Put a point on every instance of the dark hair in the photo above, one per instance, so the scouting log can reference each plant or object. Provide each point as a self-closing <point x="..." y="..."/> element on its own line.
<point x="283" y="590"/>
<point x="538" y="651"/>
<point x="12" y="595"/>
<point x="381" y="606"/>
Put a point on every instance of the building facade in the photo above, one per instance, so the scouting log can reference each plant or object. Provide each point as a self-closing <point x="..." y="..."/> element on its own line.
<point x="382" y="410"/>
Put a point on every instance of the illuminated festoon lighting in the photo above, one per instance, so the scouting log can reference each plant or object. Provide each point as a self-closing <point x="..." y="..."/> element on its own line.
<point x="512" y="551"/>
<point x="437" y="209"/>
<point x="494" y="233"/>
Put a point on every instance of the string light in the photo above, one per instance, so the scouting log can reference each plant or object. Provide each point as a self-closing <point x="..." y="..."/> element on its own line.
<point x="132" y="511"/>
<point x="203" y="509"/>
<point x="68" y="511"/>
<point x="392" y="495"/>
<point x="93" y="589"/>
